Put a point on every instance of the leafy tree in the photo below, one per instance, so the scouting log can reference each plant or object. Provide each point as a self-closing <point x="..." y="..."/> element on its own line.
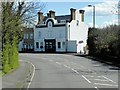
<point x="104" y="41"/>
<point x="14" y="16"/>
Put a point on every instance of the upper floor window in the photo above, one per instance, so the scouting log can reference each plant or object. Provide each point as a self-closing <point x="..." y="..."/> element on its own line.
<point x="24" y="36"/>
<point x="27" y="36"/>
<point x="49" y="24"/>
<point x="31" y="35"/>
<point x="77" y="23"/>
<point x="39" y="34"/>
<point x="41" y="45"/>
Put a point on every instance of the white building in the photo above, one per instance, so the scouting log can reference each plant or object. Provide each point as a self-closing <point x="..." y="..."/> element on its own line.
<point x="66" y="33"/>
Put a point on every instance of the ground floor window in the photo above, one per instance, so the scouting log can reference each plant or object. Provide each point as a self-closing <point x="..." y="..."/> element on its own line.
<point x="59" y="44"/>
<point x="63" y="44"/>
<point x="41" y="45"/>
<point x="37" y="44"/>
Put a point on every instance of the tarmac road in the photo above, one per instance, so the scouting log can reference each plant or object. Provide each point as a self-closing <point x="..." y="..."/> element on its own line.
<point x="69" y="71"/>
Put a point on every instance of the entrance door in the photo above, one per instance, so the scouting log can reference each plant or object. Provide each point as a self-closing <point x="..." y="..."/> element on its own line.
<point x="50" y="45"/>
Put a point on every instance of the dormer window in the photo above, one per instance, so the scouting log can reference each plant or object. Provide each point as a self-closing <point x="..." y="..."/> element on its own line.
<point x="50" y="24"/>
<point x="77" y="23"/>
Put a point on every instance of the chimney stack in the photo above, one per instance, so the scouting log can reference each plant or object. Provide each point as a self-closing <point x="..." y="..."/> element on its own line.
<point x="40" y="17"/>
<point x="82" y="14"/>
<point x="73" y="15"/>
<point x="51" y="14"/>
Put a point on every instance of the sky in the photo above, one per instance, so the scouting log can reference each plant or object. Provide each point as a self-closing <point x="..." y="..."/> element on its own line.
<point x="106" y="10"/>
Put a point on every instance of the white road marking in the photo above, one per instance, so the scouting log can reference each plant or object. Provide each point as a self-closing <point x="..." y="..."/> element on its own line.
<point x="100" y="80"/>
<point x="99" y="76"/>
<point x="32" y="74"/>
<point x="75" y="71"/>
<point x="96" y="65"/>
<point x="96" y="88"/>
<point x="109" y="79"/>
<point x="66" y="66"/>
<point x="89" y="76"/>
<point x="58" y="63"/>
<point x="86" y="79"/>
<point x="104" y="84"/>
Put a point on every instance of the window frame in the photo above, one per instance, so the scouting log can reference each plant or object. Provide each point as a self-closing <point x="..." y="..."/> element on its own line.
<point x="59" y="45"/>
<point x="37" y="44"/>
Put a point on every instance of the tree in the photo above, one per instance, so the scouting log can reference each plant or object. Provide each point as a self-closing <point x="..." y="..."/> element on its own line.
<point x="14" y="16"/>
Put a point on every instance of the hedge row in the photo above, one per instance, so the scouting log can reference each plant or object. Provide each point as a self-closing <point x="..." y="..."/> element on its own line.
<point x="104" y="42"/>
<point x="10" y="56"/>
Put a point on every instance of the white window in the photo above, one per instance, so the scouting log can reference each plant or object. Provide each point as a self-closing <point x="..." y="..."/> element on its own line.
<point x="31" y="35"/>
<point x="31" y="46"/>
<point x="25" y="46"/>
<point x="37" y="44"/>
<point x="27" y="36"/>
<point x="39" y="34"/>
<point x="59" y="44"/>
<point x="50" y="24"/>
<point x="63" y="44"/>
<point x="41" y="45"/>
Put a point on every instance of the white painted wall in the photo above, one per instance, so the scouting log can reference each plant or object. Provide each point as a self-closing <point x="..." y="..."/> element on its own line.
<point x="72" y="46"/>
<point x="58" y="33"/>
<point x="74" y="34"/>
<point x="78" y="32"/>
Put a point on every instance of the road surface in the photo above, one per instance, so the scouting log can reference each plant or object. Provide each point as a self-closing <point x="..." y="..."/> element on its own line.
<point x="69" y="71"/>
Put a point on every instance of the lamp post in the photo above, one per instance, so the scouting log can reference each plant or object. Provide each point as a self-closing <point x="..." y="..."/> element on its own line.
<point x="93" y="14"/>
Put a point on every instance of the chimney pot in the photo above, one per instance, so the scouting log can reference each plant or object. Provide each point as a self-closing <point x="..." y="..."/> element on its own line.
<point x="82" y="14"/>
<point x="40" y="17"/>
<point x="51" y="14"/>
<point x="73" y="15"/>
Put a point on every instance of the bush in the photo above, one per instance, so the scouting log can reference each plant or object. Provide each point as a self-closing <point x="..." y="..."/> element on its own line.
<point x="10" y="56"/>
<point x="104" y="41"/>
<point x="5" y="59"/>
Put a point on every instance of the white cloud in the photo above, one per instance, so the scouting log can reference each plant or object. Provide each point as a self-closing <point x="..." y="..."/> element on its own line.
<point x="107" y="23"/>
<point x="107" y="7"/>
<point x="91" y="25"/>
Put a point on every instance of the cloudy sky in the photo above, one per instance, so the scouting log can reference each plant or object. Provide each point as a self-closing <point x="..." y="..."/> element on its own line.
<point x="106" y="10"/>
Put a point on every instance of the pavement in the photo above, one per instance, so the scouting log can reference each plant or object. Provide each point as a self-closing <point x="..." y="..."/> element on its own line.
<point x="18" y="78"/>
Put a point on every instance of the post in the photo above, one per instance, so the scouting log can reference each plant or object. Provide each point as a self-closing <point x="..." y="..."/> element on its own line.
<point x="93" y="16"/>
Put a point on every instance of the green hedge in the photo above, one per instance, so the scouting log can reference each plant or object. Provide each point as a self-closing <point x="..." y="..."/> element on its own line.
<point x="104" y="42"/>
<point x="10" y="56"/>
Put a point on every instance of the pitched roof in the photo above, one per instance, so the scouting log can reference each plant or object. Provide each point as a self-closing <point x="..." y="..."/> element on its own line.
<point x="62" y="17"/>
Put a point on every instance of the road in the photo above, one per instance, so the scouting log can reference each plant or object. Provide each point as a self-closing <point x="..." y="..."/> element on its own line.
<point x="69" y="71"/>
